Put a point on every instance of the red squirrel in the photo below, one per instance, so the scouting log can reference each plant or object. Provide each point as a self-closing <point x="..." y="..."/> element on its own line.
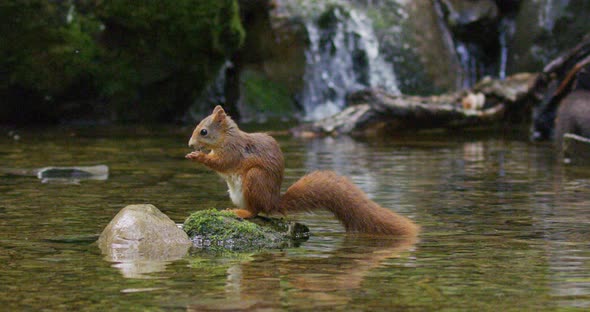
<point x="252" y="165"/>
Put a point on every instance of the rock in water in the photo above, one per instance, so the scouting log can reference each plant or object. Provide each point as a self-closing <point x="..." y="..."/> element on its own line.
<point x="73" y="174"/>
<point x="222" y="230"/>
<point x="69" y="175"/>
<point x="142" y="232"/>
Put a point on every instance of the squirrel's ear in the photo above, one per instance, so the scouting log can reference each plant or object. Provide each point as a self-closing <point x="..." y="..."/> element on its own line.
<point x="218" y="114"/>
<point x="217" y="108"/>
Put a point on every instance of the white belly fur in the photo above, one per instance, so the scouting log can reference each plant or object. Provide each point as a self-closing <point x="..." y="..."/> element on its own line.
<point x="234" y="185"/>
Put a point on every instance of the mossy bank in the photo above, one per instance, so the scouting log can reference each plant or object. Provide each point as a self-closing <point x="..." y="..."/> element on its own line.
<point x="118" y="60"/>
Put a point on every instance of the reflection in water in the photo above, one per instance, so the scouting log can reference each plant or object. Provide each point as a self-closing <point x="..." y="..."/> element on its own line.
<point x="567" y="234"/>
<point x="134" y="262"/>
<point x="335" y="154"/>
<point x="139" y="268"/>
<point x="347" y="267"/>
<point x="268" y="280"/>
<point x="504" y="227"/>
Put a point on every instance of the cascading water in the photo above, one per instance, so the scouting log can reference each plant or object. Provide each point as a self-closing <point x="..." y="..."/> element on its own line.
<point x="214" y="94"/>
<point x="342" y="57"/>
<point x="469" y="63"/>
<point x="550" y="11"/>
<point x="507" y="28"/>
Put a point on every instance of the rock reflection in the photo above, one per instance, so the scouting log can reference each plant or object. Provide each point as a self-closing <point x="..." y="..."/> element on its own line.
<point x="139" y="268"/>
<point x="141" y="240"/>
<point x="137" y="262"/>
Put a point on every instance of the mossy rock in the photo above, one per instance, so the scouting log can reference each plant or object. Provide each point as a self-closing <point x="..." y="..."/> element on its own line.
<point x="222" y="230"/>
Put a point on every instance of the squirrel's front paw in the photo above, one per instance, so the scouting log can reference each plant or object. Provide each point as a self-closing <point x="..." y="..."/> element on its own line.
<point x="196" y="155"/>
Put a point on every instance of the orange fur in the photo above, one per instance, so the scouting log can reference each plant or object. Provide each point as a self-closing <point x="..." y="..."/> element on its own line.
<point x="253" y="165"/>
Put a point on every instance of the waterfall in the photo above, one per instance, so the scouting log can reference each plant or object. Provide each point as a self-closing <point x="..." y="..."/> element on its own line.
<point x="507" y="29"/>
<point x="213" y="94"/>
<point x="342" y="57"/>
<point x="550" y="11"/>
<point x="469" y="63"/>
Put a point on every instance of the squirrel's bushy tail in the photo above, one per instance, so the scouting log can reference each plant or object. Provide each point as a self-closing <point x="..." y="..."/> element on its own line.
<point x="350" y="205"/>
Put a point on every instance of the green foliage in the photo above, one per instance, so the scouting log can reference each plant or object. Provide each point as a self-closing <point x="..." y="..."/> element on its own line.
<point x="147" y="59"/>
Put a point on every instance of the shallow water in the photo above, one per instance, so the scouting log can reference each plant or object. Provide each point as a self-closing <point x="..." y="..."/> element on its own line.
<point x="505" y="227"/>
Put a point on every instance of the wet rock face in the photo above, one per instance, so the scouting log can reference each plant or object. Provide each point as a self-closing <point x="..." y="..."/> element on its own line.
<point x="545" y="28"/>
<point x="140" y="232"/>
<point x="465" y="15"/>
<point x="260" y="80"/>
<point x="425" y="57"/>
<point x="308" y="55"/>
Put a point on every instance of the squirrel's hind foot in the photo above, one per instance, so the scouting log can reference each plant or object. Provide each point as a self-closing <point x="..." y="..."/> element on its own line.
<point x="242" y="213"/>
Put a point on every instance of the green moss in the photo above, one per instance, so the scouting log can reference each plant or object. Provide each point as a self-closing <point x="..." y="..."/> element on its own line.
<point x="221" y="225"/>
<point x="228" y="35"/>
<point x="222" y="230"/>
<point x="146" y="60"/>
<point x="266" y="96"/>
<point x="45" y="46"/>
<point x="161" y="54"/>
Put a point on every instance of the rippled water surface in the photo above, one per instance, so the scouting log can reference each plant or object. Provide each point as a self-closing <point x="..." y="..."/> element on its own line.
<point x="505" y="227"/>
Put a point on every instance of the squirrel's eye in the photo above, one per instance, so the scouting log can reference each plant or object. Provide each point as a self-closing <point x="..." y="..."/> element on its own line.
<point x="203" y="132"/>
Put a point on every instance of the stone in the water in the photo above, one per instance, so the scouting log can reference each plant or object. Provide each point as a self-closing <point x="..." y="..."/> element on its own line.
<point x="73" y="174"/>
<point x="66" y="175"/>
<point x="222" y="230"/>
<point x="142" y="239"/>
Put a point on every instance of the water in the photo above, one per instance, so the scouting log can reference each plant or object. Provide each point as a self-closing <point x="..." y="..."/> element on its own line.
<point x="507" y="28"/>
<point x="504" y="228"/>
<point x="550" y="11"/>
<point x="342" y="57"/>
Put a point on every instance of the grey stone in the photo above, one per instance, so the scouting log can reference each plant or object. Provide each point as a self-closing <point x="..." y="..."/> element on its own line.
<point x="142" y="239"/>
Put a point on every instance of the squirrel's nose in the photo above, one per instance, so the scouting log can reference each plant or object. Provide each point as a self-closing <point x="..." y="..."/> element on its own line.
<point x="192" y="143"/>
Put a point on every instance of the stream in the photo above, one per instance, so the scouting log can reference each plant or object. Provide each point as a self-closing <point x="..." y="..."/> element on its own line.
<point x="504" y="227"/>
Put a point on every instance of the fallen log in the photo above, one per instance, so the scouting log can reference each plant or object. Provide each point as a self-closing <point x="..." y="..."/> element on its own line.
<point x="377" y="111"/>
